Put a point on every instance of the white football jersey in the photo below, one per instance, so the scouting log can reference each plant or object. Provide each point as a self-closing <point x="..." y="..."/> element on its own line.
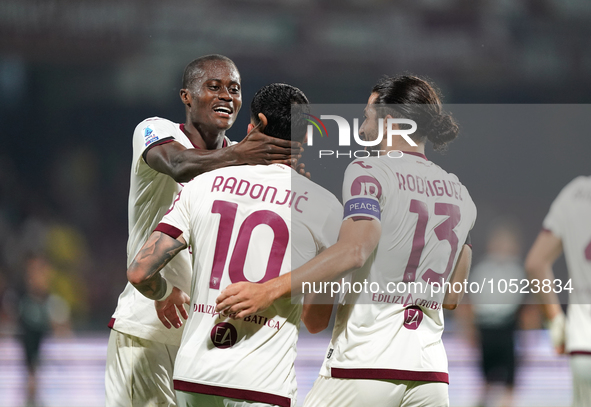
<point x="390" y="330"/>
<point x="249" y="223"/>
<point x="569" y="219"/>
<point x="151" y="194"/>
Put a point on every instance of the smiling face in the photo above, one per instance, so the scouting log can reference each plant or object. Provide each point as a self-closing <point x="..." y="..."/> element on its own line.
<point x="214" y="96"/>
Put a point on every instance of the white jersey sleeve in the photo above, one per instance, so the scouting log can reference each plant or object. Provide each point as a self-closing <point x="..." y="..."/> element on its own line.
<point x="176" y="222"/>
<point x="569" y="219"/>
<point x="150" y="133"/>
<point x="363" y="195"/>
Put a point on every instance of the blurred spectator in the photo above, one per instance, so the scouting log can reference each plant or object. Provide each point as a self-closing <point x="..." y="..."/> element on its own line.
<point x="38" y="312"/>
<point x="496" y="313"/>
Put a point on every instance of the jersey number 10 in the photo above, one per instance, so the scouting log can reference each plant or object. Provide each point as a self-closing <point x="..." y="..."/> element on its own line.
<point x="227" y="211"/>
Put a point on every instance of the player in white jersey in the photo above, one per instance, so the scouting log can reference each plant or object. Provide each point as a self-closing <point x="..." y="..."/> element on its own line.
<point x="252" y="223"/>
<point x="567" y="227"/>
<point x="406" y="221"/>
<point x="141" y="350"/>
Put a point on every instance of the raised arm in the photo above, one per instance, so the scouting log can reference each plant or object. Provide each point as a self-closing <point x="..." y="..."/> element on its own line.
<point x="183" y="164"/>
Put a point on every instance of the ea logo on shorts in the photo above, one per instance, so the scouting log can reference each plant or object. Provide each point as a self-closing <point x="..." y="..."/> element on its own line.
<point x="224" y="335"/>
<point x="413" y="317"/>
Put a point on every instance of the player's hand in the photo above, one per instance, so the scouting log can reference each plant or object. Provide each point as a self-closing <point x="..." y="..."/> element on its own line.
<point x="167" y="309"/>
<point x="301" y="169"/>
<point x="243" y="299"/>
<point x="558" y="332"/>
<point x="258" y="148"/>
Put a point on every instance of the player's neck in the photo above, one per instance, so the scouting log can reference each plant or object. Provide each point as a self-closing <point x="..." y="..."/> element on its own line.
<point x="202" y="137"/>
<point x="399" y="144"/>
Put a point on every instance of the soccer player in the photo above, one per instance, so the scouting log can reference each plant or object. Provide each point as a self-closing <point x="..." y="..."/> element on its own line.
<point x="141" y="350"/>
<point x="405" y="221"/>
<point x="567" y="227"/>
<point x="250" y="224"/>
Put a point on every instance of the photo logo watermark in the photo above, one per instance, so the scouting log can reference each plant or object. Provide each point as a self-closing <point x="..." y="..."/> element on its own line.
<point x="317" y="125"/>
<point x="345" y="131"/>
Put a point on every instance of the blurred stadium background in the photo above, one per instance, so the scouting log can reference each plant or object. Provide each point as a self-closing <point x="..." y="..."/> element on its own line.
<point x="76" y="77"/>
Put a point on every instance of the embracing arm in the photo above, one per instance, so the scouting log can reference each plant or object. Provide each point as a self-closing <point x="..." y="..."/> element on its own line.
<point x="143" y="273"/>
<point x="357" y="240"/>
<point x="460" y="274"/>
<point x="183" y="164"/>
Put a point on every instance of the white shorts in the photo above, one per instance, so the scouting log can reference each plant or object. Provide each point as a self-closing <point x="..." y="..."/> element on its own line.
<point x="331" y="392"/>
<point x="580" y="366"/>
<point x="139" y="372"/>
<point x="188" y="399"/>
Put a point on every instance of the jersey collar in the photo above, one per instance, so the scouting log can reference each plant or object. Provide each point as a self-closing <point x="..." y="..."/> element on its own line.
<point x="423" y="156"/>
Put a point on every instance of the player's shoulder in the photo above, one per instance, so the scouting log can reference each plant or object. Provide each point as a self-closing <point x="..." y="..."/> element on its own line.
<point x="582" y="181"/>
<point x="579" y="186"/>
<point x="252" y="174"/>
<point x="321" y="195"/>
<point x="155" y="128"/>
<point x="155" y="122"/>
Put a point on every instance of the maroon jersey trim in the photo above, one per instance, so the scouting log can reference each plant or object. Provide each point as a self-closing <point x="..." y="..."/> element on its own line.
<point x="241" y="394"/>
<point x="157" y="143"/>
<point x="417" y="154"/>
<point x="111" y="323"/>
<point x="168" y="230"/>
<point x="580" y="352"/>
<point x="389" y="374"/>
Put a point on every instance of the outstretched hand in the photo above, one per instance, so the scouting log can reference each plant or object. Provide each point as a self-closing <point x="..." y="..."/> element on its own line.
<point x="258" y="148"/>
<point x="167" y="309"/>
<point x="243" y="299"/>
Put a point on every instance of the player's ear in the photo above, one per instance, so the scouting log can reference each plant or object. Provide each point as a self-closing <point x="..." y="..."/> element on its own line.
<point x="185" y="96"/>
<point x="395" y="126"/>
<point x="263" y="120"/>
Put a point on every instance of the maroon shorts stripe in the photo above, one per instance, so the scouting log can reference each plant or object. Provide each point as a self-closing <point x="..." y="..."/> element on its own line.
<point x="168" y="230"/>
<point x="111" y="323"/>
<point x="389" y="374"/>
<point x="240" y="394"/>
<point x="579" y="352"/>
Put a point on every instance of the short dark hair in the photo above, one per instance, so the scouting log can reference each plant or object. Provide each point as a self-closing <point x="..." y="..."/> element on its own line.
<point x="195" y="67"/>
<point x="411" y="97"/>
<point x="275" y="101"/>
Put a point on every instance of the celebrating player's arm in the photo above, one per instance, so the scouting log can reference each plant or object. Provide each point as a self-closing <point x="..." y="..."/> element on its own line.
<point x="544" y="252"/>
<point x="357" y="240"/>
<point x="144" y="274"/>
<point x="183" y="164"/>
<point x="460" y="274"/>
